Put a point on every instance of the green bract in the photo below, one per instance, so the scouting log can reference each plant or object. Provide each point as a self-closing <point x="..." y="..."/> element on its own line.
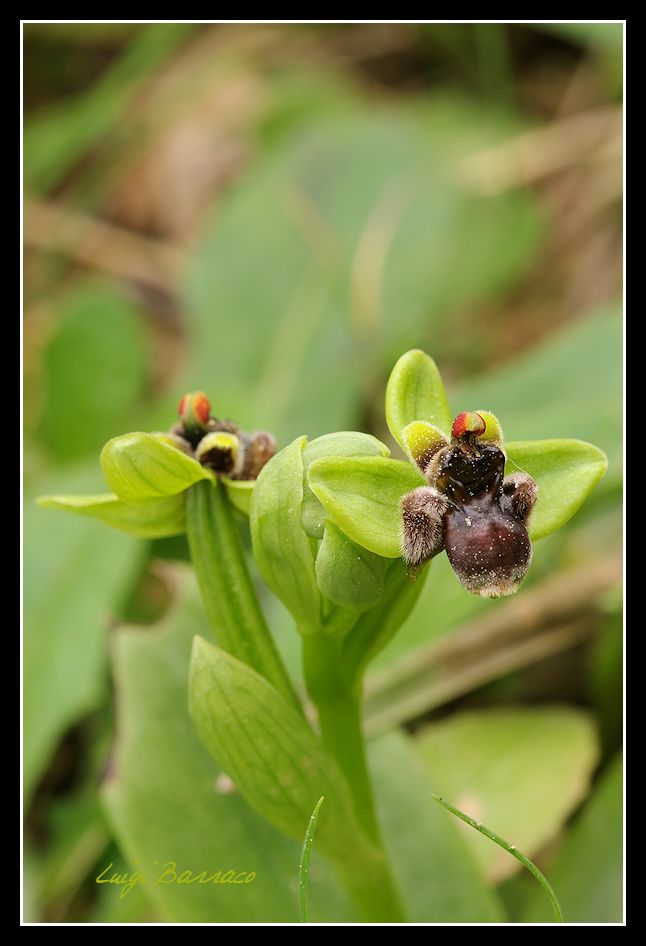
<point x="348" y="574"/>
<point x="281" y="548"/>
<point x="281" y="772"/>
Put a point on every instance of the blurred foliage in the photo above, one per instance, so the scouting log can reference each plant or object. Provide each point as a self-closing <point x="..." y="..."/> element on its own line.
<point x="527" y="779"/>
<point x="95" y="370"/>
<point x="274" y="213"/>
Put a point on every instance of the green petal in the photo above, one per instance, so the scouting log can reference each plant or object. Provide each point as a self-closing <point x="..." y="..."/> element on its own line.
<point x="348" y="574"/>
<point x="152" y="520"/>
<point x="565" y="471"/>
<point x="415" y="392"/>
<point x="239" y="493"/>
<point x="362" y="495"/>
<point x="493" y="430"/>
<point x="419" y="439"/>
<point x="141" y="467"/>
<point x="345" y="443"/>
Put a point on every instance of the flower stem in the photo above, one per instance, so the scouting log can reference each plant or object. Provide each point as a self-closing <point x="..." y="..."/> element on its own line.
<point x="339" y="709"/>
<point x="340" y="719"/>
<point x="229" y="597"/>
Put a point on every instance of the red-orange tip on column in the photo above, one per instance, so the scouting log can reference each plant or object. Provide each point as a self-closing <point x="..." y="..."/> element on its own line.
<point x="194" y="410"/>
<point x="468" y="422"/>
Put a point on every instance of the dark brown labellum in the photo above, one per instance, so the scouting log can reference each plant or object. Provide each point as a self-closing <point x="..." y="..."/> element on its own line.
<point x="470" y="510"/>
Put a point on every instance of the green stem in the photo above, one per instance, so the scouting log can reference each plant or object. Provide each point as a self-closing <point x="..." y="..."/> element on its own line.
<point x="339" y="710"/>
<point x="229" y="597"/>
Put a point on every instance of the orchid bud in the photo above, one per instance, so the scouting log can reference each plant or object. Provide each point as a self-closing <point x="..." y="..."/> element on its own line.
<point x="194" y="410"/>
<point x="260" y="448"/>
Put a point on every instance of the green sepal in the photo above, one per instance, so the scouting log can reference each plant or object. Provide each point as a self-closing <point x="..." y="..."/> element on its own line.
<point x="362" y="495"/>
<point x="565" y="471"/>
<point x="239" y="493"/>
<point x="141" y="467"/>
<point x="152" y="520"/>
<point x="345" y="443"/>
<point x="415" y="392"/>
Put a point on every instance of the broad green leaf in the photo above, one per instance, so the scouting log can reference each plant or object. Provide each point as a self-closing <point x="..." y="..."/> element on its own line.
<point x="362" y="495"/>
<point x="139" y="467"/>
<point x="348" y="574"/>
<point x="566" y="472"/>
<point x="75" y="575"/>
<point x="168" y="801"/>
<point x="95" y="369"/>
<point x="519" y="771"/>
<point x="346" y="443"/>
<point x="415" y="392"/>
<point x="281" y="548"/>
<point x="437" y="874"/>
<point x="268" y="749"/>
<point x="587" y="872"/>
<point x="281" y="768"/>
<point x="151" y="520"/>
<point x="239" y="493"/>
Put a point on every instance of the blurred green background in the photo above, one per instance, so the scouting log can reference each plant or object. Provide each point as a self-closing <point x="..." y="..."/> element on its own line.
<point x="274" y="213"/>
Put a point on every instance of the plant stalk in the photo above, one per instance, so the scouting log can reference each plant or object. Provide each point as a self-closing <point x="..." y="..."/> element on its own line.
<point x="338" y="702"/>
<point x="229" y="597"/>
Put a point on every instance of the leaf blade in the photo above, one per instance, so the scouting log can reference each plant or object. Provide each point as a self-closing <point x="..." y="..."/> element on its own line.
<point x="159" y="765"/>
<point x="268" y="749"/>
<point x="303" y="872"/>
<point x="511" y="849"/>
